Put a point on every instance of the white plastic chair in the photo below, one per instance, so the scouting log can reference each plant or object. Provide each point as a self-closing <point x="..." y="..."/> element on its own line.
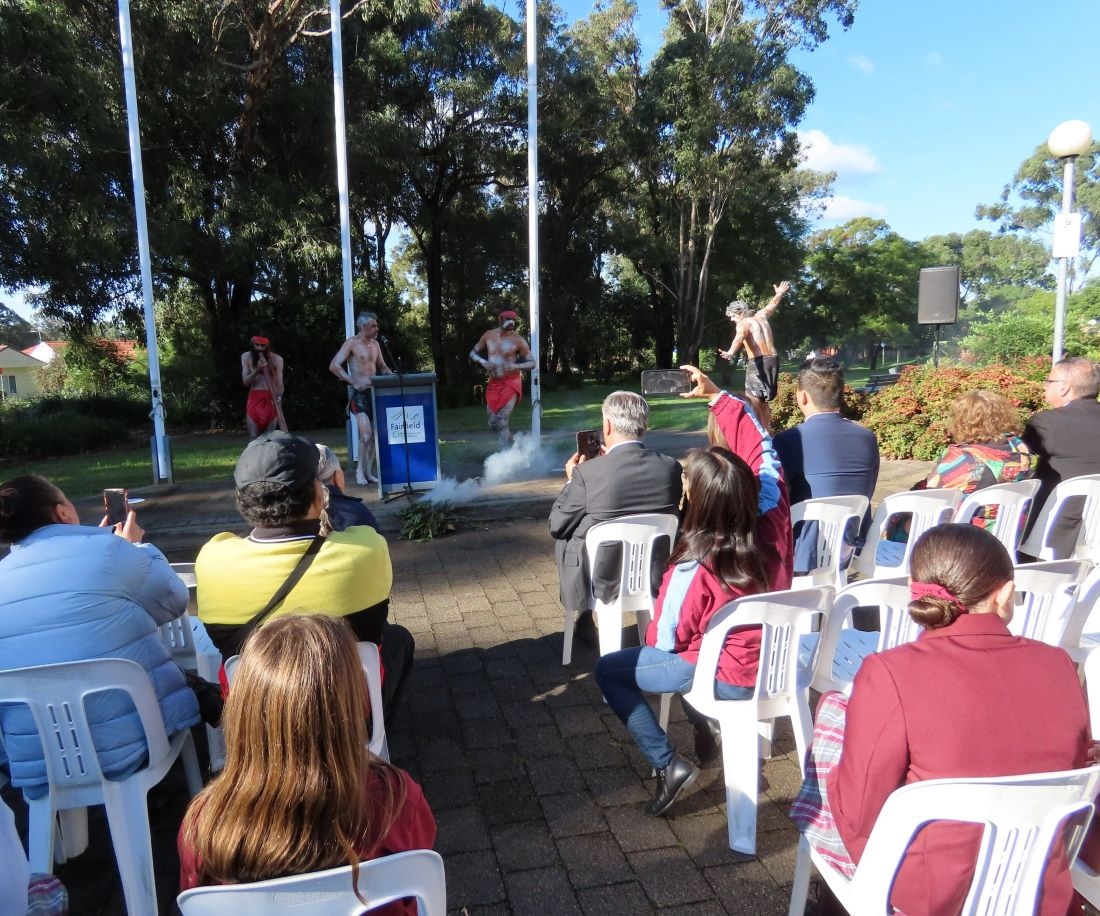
<point x="1046" y="596"/>
<point x="1013" y="502"/>
<point x="179" y="638"/>
<point x="1022" y="817"/>
<point x="844" y="648"/>
<point x="1087" y="547"/>
<point x="782" y="689"/>
<point x="372" y="672"/>
<point x="186" y="572"/>
<point x="928" y="508"/>
<point x="637" y="534"/>
<point x="417" y="874"/>
<point x="55" y="695"/>
<point x="832" y="514"/>
<point x="1086" y="881"/>
<point x="1083" y="632"/>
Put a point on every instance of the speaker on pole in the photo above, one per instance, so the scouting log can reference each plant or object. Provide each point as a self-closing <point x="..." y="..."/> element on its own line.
<point x="938" y="295"/>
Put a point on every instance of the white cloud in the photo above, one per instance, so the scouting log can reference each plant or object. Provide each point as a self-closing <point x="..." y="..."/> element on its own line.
<point x="840" y="209"/>
<point x="934" y="59"/>
<point x="862" y="64"/>
<point x="824" y="155"/>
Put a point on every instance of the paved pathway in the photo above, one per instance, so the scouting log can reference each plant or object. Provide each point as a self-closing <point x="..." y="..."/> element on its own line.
<point x="536" y="786"/>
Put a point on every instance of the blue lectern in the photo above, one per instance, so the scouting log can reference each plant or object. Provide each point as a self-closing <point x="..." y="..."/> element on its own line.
<point x="406" y="431"/>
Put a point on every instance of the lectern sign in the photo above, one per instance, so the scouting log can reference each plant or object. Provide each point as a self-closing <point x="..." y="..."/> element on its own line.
<point x="413" y="430"/>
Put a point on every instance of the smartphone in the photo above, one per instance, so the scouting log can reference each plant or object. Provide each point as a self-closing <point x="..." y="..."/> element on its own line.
<point x="665" y="381"/>
<point x="117" y="504"/>
<point x="588" y="443"/>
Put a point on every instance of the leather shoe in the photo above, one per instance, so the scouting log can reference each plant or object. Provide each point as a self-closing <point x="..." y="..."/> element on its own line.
<point x="585" y="630"/>
<point x="671" y="781"/>
<point x="708" y="742"/>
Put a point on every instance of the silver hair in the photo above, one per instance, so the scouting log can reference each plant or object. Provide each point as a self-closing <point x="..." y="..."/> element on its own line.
<point x="364" y="318"/>
<point x="737" y="308"/>
<point x="1082" y="375"/>
<point x="627" y="412"/>
<point x="327" y="463"/>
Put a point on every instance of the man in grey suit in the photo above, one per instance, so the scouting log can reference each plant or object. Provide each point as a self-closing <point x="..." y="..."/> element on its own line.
<point x="1067" y="439"/>
<point x="626" y="479"/>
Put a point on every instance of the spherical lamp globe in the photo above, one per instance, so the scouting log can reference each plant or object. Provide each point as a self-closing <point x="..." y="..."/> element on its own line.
<point x="1070" y="138"/>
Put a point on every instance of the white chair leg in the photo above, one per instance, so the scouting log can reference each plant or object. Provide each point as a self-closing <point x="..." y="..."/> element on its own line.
<point x="800" y="889"/>
<point x="567" y="637"/>
<point x="191" y="765"/>
<point x="128" y="816"/>
<point x="666" y="703"/>
<point x="740" y="767"/>
<point x="643" y="618"/>
<point x="215" y="742"/>
<point x="766" y="732"/>
<point x="74" y="832"/>
<point x="610" y="627"/>
<point x="42" y="835"/>
<point x="802" y="725"/>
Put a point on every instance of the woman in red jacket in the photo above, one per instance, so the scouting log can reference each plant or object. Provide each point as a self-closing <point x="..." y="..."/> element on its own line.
<point x="966" y="699"/>
<point x="300" y="792"/>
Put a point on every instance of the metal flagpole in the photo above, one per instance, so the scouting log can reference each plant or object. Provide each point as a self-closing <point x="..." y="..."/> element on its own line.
<point x="533" y="215"/>
<point x="162" y="459"/>
<point x="342" y="189"/>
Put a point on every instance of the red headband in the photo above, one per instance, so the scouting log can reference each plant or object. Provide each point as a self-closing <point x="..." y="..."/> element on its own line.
<point x="918" y="590"/>
<point x="506" y="314"/>
<point x="262" y="341"/>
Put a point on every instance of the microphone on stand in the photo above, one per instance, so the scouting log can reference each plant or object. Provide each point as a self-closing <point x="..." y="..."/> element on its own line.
<point x="384" y="340"/>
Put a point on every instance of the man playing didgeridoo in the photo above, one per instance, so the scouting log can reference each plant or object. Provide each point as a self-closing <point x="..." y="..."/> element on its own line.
<point x="506" y="354"/>
<point x="262" y="375"/>
<point x="755" y="333"/>
<point x="363" y="357"/>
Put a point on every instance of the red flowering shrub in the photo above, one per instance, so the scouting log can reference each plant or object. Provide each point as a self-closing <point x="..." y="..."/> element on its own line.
<point x="910" y="418"/>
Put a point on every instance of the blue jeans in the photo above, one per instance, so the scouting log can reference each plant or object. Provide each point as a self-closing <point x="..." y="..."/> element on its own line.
<point x="625" y="674"/>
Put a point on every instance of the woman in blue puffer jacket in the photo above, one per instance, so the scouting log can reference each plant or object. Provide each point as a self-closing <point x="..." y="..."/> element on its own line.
<point x="70" y="593"/>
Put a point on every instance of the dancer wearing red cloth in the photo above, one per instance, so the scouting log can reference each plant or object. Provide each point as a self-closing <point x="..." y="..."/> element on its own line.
<point x="506" y="354"/>
<point x="262" y="375"/>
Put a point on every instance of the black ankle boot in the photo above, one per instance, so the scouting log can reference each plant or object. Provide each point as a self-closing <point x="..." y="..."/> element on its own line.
<point x="708" y="741"/>
<point x="671" y="781"/>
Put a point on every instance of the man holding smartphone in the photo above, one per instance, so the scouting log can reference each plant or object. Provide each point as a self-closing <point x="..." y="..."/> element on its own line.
<point x="626" y="479"/>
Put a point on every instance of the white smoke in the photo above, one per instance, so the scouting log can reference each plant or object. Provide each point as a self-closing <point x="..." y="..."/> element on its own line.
<point x="499" y="468"/>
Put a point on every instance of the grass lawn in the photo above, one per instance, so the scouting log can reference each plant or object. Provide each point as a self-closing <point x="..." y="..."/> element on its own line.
<point x="209" y="458"/>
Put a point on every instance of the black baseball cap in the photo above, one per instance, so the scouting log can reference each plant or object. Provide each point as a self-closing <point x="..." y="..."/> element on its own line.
<point x="277" y="457"/>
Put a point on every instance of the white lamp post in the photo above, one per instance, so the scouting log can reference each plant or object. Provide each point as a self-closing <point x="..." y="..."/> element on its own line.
<point x="1066" y="142"/>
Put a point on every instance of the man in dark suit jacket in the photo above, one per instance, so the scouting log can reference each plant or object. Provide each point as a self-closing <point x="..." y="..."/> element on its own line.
<point x="626" y="479"/>
<point x="826" y="455"/>
<point x="1066" y="438"/>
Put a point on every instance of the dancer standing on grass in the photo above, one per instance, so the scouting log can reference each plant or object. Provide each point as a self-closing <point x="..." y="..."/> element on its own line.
<point x="363" y="357"/>
<point x="262" y="375"/>
<point x="506" y="354"/>
<point x="755" y="333"/>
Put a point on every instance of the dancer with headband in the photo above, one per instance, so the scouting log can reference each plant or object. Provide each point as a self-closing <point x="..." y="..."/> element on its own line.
<point x="262" y="375"/>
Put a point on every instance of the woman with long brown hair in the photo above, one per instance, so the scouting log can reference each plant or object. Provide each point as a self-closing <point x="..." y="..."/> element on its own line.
<point x="300" y="792"/>
<point x="719" y="556"/>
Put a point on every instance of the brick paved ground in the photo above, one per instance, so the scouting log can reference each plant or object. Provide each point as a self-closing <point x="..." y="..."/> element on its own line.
<point x="536" y="786"/>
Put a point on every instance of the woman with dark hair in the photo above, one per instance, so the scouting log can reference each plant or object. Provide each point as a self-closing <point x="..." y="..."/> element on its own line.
<point x="735" y="540"/>
<point x="300" y="792"/>
<point x="71" y="593"/>
<point x="967" y="699"/>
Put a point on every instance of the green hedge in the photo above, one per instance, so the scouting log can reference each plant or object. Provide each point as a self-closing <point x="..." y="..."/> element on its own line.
<point x="910" y="418"/>
<point x="65" y="432"/>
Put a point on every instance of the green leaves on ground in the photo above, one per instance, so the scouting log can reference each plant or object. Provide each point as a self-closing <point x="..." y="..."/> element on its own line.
<point x="426" y="520"/>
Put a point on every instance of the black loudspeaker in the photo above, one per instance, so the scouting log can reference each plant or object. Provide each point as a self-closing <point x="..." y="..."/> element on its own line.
<point x="938" y="296"/>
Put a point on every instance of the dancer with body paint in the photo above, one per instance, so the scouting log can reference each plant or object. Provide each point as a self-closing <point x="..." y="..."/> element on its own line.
<point x="262" y="375"/>
<point x="506" y="353"/>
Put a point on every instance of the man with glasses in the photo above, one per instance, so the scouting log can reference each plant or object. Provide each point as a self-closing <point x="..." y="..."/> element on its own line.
<point x="262" y="375"/>
<point x="1066" y="438"/>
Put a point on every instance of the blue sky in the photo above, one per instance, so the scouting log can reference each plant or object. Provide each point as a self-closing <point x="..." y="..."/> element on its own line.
<point x="926" y="109"/>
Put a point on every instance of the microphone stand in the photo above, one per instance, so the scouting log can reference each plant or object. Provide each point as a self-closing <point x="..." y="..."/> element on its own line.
<point x="408" y="491"/>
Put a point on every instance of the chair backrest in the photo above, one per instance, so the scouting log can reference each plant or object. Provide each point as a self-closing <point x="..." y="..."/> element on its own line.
<point x="890" y="596"/>
<point x="180" y="641"/>
<point x="186" y="572"/>
<point x="928" y="508"/>
<point x="1086" y="612"/>
<point x="1087" y="547"/>
<point x="637" y="534"/>
<point x="783" y="617"/>
<point x="1022" y="815"/>
<point x="417" y="874"/>
<point x="832" y="515"/>
<point x="55" y="695"/>
<point x="1013" y="502"/>
<point x="1092" y="688"/>
<point x="1046" y="597"/>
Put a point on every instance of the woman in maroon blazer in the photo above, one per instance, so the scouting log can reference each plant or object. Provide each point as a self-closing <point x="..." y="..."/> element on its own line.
<point x="966" y="699"/>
